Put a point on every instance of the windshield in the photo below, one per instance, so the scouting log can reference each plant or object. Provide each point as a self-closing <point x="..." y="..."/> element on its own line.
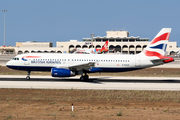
<point x="15" y="58"/>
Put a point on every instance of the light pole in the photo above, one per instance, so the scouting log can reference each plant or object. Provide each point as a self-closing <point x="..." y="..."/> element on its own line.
<point x="92" y="39"/>
<point x="4" y="24"/>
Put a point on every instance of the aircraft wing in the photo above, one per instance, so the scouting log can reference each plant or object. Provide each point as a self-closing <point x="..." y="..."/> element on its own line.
<point x="78" y="67"/>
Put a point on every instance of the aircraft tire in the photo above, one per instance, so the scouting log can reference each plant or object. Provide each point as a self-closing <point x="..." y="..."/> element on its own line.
<point x="82" y="78"/>
<point x="28" y="78"/>
<point x="86" y="77"/>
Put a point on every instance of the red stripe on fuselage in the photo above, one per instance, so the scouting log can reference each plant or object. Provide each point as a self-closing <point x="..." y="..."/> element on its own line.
<point x="31" y="56"/>
<point x="164" y="36"/>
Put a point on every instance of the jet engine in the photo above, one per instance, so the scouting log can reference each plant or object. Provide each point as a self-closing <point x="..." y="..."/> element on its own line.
<point x="61" y="72"/>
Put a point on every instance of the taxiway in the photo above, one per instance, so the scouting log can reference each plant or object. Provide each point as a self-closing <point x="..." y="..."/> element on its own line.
<point x="103" y="83"/>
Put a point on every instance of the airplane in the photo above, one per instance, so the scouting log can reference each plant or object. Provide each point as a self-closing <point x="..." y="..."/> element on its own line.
<point x="68" y="65"/>
<point x="104" y="49"/>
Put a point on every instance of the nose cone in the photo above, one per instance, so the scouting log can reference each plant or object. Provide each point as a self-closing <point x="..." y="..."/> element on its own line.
<point x="8" y="63"/>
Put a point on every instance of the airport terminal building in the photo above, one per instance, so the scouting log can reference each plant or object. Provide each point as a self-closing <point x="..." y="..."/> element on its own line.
<point x="119" y="41"/>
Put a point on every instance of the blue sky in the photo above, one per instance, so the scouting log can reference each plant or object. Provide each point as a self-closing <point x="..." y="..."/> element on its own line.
<point x="62" y="20"/>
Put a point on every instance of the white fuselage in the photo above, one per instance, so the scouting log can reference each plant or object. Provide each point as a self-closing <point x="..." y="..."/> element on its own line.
<point x="103" y="62"/>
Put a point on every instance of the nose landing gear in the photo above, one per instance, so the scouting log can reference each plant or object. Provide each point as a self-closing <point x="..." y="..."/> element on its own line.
<point x="28" y="75"/>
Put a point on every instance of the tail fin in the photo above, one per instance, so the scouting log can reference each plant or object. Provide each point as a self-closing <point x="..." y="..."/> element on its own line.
<point x="103" y="49"/>
<point x="158" y="45"/>
<point x="105" y="46"/>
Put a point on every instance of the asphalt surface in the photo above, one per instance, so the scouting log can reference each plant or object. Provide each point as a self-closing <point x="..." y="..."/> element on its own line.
<point x="104" y="83"/>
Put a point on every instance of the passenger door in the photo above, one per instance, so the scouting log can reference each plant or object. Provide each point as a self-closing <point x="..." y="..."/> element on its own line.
<point x="138" y="61"/>
<point x="27" y="62"/>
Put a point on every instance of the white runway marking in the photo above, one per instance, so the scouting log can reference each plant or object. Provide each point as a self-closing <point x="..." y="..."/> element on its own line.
<point x="95" y="82"/>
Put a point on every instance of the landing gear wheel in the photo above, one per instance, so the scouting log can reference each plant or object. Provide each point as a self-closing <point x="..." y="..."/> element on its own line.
<point x="86" y="77"/>
<point x="28" y="75"/>
<point x="82" y="78"/>
<point x="28" y="78"/>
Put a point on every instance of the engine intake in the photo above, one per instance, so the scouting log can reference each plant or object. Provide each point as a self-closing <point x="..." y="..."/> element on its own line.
<point x="61" y="72"/>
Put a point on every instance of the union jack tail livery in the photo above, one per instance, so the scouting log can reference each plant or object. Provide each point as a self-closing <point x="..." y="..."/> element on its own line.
<point x="157" y="47"/>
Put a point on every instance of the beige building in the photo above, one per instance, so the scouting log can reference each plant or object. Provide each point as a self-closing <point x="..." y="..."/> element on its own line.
<point x="33" y="44"/>
<point x="119" y="41"/>
<point x="34" y="47"/>
<point x="7" y="50"/>
<point x="117" y="34"/>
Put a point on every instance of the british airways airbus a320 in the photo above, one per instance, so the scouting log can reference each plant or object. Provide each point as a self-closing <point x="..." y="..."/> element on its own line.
<point x="67" y="65"/>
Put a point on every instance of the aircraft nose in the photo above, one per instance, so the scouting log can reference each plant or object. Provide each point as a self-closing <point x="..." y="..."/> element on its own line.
<point x="8" y="63"/>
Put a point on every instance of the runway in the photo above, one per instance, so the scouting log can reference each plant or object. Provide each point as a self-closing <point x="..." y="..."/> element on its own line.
<point x="99" y="83"/>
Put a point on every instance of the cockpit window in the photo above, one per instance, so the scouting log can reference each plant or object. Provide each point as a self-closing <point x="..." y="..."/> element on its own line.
<point x="15" y="58"/>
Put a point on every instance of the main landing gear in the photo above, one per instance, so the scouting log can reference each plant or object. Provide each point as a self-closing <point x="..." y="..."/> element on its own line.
<point x="85" y="77"/>
<point x="28" y="75"/>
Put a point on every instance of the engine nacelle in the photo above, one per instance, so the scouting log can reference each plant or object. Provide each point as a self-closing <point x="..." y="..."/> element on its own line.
<point x="61" y="72"/>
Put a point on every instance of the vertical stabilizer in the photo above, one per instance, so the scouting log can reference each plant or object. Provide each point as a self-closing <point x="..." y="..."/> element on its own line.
<point x="158" y="45"/>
